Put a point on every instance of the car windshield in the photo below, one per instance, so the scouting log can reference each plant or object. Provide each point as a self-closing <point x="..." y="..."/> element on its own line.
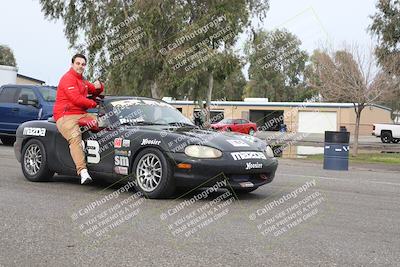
<point x="148" y="111"/>
<point x="48" y="93"/>
<point x="227" y="121"/>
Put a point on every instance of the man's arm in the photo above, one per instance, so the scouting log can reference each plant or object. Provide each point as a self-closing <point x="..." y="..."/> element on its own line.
<point x="92" y="89"/>
<point x="72" y="92"/>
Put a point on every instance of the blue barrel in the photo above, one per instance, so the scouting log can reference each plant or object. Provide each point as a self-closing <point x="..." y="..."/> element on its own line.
<point x="336" y="150"/>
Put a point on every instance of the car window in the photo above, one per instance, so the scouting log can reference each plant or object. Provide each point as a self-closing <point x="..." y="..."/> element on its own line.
<point x="29" y="92"/>
<point x="48" y="93"/>
<point x="8" y="95"/>
<point x="227" y="121"/>
<point x="243" y="121"/>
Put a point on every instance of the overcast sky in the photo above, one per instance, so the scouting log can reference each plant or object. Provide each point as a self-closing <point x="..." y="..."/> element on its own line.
<point x="41" y="50"/>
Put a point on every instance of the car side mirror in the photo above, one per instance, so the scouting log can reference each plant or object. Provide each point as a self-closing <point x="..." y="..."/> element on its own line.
<point x="34" y="103"/>
<point x="23" y="99"/>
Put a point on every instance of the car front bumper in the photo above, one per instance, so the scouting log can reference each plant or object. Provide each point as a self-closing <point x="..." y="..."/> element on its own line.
<point x="206" y="172"/>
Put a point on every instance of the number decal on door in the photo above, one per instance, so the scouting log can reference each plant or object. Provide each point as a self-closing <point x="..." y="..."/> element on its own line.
<point x="93" y="149"/>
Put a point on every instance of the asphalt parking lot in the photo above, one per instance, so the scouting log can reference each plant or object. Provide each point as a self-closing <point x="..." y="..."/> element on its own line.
<point x="305" y="217"/>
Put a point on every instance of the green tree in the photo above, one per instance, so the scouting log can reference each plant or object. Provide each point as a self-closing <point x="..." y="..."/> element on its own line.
<point x="385" y="27"/>
<point x="7" y="56"/>
<point x="277" y="65"/>
<point x="94" y="28"/>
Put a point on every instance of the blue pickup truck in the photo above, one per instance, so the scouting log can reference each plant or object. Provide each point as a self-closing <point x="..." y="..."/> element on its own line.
<point x="21" y="103"/>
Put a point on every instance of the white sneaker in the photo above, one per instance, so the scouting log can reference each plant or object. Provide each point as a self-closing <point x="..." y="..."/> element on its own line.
<point x="85" y="177"/>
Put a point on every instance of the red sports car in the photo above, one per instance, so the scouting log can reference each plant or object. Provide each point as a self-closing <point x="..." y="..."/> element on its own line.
<point x="235" y="125"/>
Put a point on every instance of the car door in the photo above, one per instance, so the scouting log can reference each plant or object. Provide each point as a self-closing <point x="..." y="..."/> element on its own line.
<point x="98" y="148"/>
<point x="8" y="109"/>
<point x="235" y="126"/>
<point x="240" y="126"/>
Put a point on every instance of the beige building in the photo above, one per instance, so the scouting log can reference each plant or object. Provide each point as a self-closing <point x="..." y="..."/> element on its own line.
<point x="22" y="79"/>
<point x="298" y="116"/>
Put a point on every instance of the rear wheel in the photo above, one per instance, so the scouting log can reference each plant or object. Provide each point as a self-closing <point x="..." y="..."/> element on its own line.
<point x="8" y="140"/>
<point x="386" y="137"/>
<point x="396" y="140"/>
<point x="154" y="177"/>
<point x="34" y="162"/>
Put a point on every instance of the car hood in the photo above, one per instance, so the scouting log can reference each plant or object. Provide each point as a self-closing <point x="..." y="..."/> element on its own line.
<point x="178" y="138"/>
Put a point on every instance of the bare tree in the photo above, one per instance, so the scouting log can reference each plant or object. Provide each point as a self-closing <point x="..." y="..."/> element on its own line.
<point x="350" y="75"/>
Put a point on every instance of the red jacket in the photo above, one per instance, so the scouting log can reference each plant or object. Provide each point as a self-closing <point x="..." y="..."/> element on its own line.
<point x="72" y="94"/>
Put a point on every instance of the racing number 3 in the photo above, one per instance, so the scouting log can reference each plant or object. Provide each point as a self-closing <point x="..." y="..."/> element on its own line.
<point x="93" y="149"/>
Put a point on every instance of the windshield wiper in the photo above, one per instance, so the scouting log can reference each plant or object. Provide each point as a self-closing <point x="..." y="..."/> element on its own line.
<point x="181" y="124"/>
<point x="140" y="123"/>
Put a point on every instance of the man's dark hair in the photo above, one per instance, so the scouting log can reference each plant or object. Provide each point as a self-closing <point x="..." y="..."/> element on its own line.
<point x="78" y="55"/>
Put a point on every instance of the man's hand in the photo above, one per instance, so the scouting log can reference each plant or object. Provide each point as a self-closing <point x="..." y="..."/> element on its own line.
<point x="97" y="84"/>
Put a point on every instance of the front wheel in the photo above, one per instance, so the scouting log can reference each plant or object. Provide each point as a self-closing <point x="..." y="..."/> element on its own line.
<point x="154" y="177"/>
<point x="34" y="162"/>
<point x="396" y="140"/>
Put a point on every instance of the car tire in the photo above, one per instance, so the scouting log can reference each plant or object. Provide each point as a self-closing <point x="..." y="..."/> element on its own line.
<point x="228" y="130"/>
<point x="251" y="131"/>
<point x="34" y="162"/>
<point x="386" y="137"/>
<point x="8" y="140"/>
<point x="153" y="175"/>
<point x="396" y="140"/>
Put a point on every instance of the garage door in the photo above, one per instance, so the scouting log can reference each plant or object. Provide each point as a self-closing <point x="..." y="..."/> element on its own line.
<point x="317" y="122"/>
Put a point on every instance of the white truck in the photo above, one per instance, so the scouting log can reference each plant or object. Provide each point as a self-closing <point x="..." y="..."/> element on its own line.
<point x="389" y="133"/>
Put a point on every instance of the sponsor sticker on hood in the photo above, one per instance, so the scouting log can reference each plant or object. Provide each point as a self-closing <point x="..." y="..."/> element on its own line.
<point x="237" y="143"/>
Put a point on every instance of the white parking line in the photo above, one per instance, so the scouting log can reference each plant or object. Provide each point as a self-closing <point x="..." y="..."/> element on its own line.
<point x="339" y="179"/>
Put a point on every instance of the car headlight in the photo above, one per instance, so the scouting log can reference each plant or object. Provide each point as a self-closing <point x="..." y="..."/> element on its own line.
<point x="203" y="152"/>
<point x="269" y="152"/>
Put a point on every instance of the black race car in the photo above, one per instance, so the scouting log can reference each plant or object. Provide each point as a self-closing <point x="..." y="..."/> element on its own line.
<point x="151" y="143"/>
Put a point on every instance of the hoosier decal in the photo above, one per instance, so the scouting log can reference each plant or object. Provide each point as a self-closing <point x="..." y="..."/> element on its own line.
<point x="150" y="142"/>
<point x="247" y="155"/>
<point x="250" y="165"/>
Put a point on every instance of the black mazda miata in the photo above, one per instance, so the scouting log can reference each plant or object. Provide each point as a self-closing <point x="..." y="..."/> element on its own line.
<point x="151" y="143"/>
